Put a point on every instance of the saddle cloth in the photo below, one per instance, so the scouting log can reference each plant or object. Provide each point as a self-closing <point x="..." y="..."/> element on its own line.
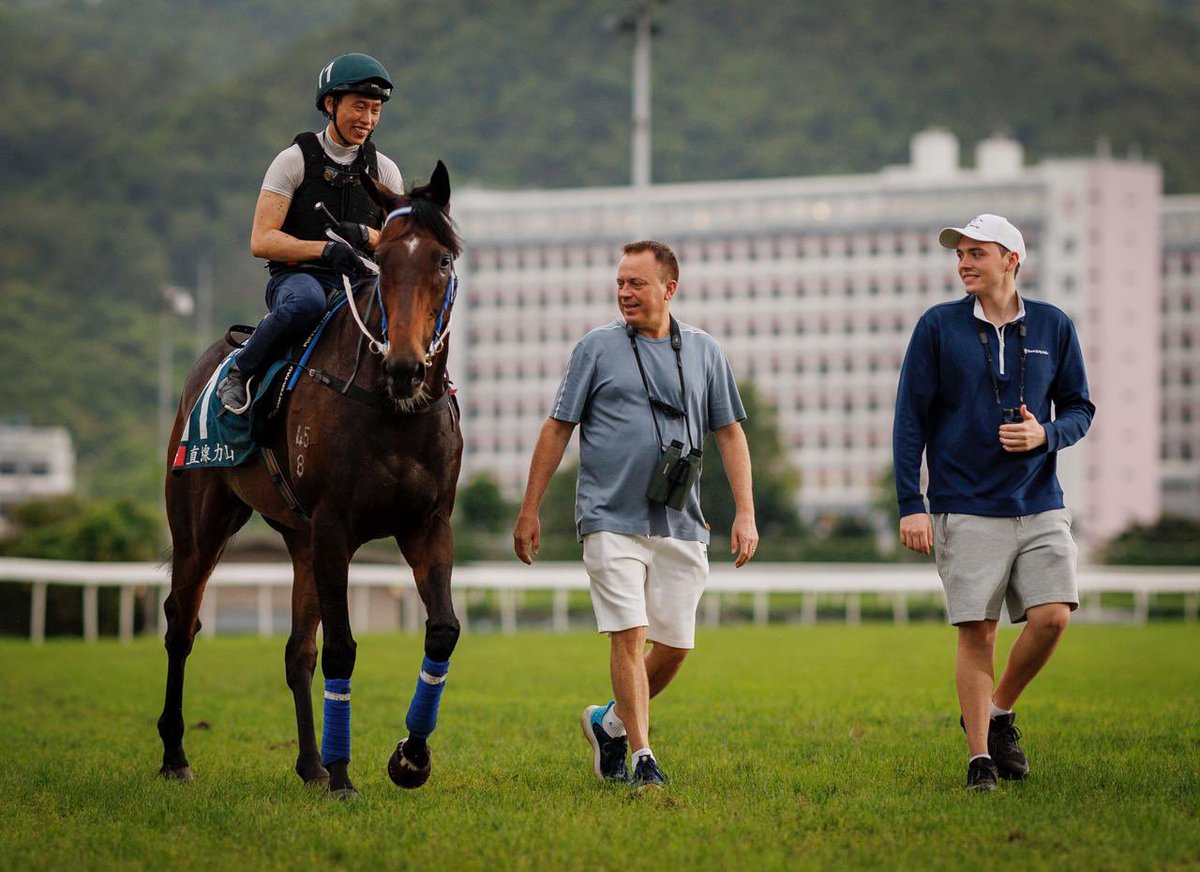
<point x="213" y="437"/>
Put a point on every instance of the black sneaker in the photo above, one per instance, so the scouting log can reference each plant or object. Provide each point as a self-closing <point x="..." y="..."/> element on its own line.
<point x="608" y="753"/>
<point x="1005" y="749"/>
<point x="646" y="775"/>
<point x="232" y="391"/>
<point x="1003" y="744"/>
<point x="981" y="775"/>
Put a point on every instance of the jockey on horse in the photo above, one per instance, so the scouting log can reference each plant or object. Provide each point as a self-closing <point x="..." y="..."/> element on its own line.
<point x="289" y="227"/>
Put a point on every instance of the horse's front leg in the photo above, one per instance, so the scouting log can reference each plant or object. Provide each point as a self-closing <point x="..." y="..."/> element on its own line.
<point x="431" y="556"/>
<point x="331" y="561"/>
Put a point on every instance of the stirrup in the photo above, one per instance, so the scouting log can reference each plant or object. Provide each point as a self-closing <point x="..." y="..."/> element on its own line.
<point x="241" y="410"/>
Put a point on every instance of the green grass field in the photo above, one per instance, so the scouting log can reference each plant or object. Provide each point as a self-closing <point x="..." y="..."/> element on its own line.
<point x="789" y="747"/>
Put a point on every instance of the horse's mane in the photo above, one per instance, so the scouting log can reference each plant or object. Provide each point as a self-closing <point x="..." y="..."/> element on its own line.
<point x="429" y="216"/>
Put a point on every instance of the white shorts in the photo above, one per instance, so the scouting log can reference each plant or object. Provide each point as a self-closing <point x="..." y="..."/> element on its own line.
<point x="646" y="581"/>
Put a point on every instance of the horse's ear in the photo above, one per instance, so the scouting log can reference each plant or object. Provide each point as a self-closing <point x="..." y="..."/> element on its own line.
<point x="439" y="185"/>
<point x="385" y="198"/>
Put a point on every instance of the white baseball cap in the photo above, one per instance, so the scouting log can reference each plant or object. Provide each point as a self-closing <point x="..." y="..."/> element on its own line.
<point x="986" y="228"/>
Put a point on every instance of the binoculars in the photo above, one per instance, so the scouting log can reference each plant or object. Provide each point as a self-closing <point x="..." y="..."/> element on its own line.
<point x="674" y="476"/>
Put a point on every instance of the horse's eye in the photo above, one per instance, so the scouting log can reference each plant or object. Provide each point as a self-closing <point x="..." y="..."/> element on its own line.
<point x="447" y="262"/>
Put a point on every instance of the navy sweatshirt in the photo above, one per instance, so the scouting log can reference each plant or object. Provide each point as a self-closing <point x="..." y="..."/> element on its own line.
<point x="945" y="406"/>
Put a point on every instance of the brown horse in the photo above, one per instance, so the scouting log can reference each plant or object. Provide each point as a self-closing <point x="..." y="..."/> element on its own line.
<point x="379" y="460"/>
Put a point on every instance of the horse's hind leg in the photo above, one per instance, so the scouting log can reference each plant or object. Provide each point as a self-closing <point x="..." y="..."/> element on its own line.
<point x="431" y="555"/>
<point x="300" y="659"/>
<point x="202" y="518"/>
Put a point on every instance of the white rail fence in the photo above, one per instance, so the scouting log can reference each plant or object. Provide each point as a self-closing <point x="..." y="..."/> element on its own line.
<point x="845" y="582"/>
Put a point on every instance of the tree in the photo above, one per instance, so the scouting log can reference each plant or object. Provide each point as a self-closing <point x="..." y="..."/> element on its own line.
<point x="481" y="505"/>
<point x="70" y="528"/>
<point x="1169" y="541"/>
<point x="775" y="480"/>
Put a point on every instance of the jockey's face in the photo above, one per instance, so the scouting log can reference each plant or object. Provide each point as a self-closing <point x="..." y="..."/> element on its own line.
<point x="354" y="118"/>
<point x="644" y="294"/>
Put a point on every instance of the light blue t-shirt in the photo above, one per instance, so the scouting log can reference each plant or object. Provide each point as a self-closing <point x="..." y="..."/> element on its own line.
<point x="618" y="447"/>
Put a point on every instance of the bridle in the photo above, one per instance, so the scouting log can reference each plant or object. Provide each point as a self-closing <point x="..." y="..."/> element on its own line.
<point x="441" y="329"/>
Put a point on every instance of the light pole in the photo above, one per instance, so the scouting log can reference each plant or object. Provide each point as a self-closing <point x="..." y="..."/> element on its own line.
<point x="639" y="21"/>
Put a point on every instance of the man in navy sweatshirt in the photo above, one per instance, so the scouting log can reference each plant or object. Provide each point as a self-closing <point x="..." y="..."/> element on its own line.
<point x="980" y="380"/>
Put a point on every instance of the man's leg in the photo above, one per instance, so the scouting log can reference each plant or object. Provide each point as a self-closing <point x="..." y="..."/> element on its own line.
<point x="630" y="683"/>
<point x="974" y="675"/>
<point x="662" y="665"/>
<point x="1043" y="630"/>
<point x="296" y="302"/>
<point x="616" y="567"/>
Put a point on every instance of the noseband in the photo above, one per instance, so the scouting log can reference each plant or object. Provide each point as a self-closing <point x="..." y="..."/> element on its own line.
<point x="441" y="329"/>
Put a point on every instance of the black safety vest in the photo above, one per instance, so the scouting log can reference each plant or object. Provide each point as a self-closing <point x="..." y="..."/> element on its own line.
<point x="336" y="185"/>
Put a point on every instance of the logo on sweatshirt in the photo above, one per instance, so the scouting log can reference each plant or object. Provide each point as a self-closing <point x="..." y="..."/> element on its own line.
<point x="1037" y="351"/>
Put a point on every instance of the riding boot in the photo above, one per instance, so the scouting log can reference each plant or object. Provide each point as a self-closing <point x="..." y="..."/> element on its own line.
<point x="232" y="391"/>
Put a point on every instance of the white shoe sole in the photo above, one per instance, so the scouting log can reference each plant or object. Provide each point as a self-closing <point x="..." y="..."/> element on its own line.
<point x="585" y="724"/>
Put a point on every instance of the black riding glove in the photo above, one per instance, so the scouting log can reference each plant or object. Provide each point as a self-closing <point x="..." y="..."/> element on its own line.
<point x="355" y="234"/>
<point x="343" y="259"/>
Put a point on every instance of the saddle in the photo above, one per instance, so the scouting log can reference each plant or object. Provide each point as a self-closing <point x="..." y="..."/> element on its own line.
<point x="213" y="438"/>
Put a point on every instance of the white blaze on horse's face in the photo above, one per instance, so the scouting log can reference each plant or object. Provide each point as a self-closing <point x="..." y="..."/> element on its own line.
<point x="413" y="285"/>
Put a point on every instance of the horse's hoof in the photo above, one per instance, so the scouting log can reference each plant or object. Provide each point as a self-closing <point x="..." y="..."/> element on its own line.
<point x="407" y="772"/>
<point x="344" y="793"/>
<point x="177" y="773"/>
<point x="315" y="775"/>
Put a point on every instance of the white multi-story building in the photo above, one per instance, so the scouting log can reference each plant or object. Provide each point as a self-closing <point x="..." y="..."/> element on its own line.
<point x="1180" y="419"/>
<point x="812" y="286"/>
<point x="34" y="462"/>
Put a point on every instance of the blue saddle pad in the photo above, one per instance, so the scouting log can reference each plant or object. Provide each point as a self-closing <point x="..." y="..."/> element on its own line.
<point x="213" y="437"/>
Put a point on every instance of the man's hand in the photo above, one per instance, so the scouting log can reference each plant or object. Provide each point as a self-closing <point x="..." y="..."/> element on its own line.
<point x="916" y="533"/>
<point x="1026" y="436"/>
<point x="343" y="259"/>
<point x="743" y="539"/>
<point x="527" y="536"/>
<point x="356" y="234"/>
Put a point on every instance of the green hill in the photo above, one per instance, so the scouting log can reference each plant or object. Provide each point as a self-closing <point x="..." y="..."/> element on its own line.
<point x="135" y="135"/>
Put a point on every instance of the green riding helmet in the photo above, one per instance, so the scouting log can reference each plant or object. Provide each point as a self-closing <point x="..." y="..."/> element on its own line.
<point x="353" y="74"/>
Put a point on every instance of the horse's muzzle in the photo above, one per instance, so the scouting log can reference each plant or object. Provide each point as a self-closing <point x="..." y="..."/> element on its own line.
<point x="404" y="378"/>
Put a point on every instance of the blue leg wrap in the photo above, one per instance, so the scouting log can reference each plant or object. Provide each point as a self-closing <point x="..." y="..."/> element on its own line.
<point x="423" y="710"/>
<point x="335" y="730"/>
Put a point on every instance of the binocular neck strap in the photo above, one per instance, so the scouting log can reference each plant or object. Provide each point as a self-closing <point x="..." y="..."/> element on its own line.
<point x="676" y="346"/>
<point x="991" y="367"/>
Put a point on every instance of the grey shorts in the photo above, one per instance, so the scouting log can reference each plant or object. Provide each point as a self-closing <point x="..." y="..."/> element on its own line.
<point x="1025" y="561"/>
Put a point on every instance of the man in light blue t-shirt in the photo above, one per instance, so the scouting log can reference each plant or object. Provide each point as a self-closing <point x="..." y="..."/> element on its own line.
<point x="639" y="387"/>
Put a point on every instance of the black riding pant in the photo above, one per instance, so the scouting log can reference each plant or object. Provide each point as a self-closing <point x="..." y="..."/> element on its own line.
<point x="295" y="304"/>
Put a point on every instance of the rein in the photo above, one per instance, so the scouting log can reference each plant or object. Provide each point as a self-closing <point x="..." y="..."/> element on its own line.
<point x="441" y="329"/>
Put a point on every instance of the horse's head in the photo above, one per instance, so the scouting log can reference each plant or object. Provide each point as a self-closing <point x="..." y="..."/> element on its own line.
<point x="416" y="253"/>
